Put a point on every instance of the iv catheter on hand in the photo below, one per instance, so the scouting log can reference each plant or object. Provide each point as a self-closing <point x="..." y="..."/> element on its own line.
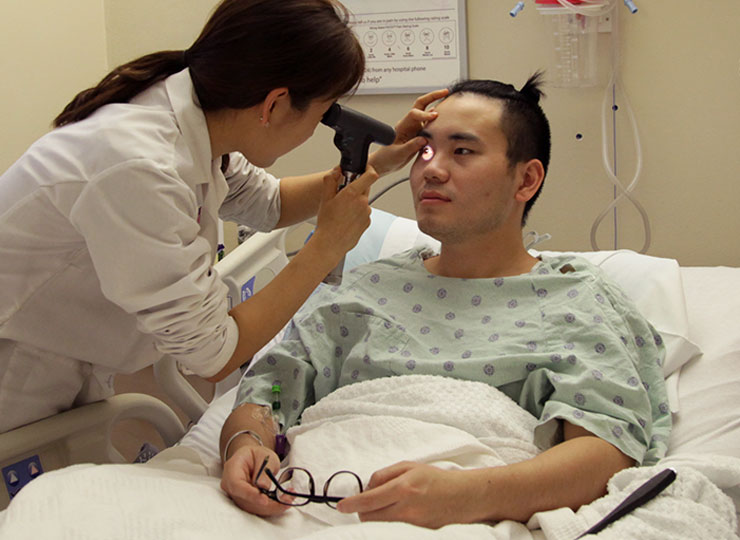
<point x="355" y="132"/>
<point x="281" y="442"/>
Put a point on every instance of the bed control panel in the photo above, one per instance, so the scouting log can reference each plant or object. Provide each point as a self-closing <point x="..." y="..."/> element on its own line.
<point x="21" y="473"/>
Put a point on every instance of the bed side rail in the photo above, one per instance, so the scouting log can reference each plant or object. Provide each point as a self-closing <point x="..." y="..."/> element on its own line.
<point x="80" y="435"/>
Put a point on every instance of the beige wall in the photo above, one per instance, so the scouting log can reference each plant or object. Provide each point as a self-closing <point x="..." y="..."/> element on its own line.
<point x="681" y="71"/>
<point x="138" y="27"/>
<point x="49" y="50"/>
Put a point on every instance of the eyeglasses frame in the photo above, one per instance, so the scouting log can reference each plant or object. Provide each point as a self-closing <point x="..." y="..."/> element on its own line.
<point x="312" y="497"/>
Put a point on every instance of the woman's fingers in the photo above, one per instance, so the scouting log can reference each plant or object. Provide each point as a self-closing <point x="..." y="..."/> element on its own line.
<point x="418" y="116"/>
<point x="422" y="102"/>
<point x="364" y="182"/>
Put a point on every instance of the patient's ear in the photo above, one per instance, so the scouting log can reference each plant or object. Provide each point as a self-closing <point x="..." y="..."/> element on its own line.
<point x="531" y="175"/>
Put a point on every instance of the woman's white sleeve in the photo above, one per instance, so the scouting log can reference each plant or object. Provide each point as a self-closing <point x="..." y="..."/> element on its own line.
<point x="140" y="226"/>
<point x="254" y="195"/>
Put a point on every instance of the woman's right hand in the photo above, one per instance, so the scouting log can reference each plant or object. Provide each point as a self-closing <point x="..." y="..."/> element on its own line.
<point x="238" y="480"/>
<point x="343" y="215"/>
<point x="390" y="158"/>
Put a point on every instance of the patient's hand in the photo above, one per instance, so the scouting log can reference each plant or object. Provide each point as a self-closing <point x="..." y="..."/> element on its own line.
<point x="238" y="480"/>
<point x="414" y="493"/>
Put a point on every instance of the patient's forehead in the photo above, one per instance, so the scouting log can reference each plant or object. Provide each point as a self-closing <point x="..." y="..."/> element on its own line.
<point x="467" y="112"/>
<point x="465" y="103"/>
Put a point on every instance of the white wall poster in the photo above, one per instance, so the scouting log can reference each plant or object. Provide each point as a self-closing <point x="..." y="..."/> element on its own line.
<point x="411" y="46"/>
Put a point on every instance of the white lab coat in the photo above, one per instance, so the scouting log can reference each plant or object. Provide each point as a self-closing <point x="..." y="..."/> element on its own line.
<point x="108" y="232"/>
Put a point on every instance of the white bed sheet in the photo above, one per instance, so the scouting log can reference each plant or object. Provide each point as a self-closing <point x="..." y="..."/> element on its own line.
<point x="709" y="388"/>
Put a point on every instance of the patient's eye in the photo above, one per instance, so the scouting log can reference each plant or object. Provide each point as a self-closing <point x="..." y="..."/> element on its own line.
<point x="427" y="153"/>
<point x="463" y="151"/>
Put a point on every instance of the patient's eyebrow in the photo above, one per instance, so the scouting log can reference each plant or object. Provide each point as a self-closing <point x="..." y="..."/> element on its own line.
<point x="464" y="137"/>
<point x="461" y="136"/>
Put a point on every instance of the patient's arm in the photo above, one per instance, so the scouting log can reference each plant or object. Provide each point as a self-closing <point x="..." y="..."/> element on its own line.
<point x="572" y="473"/>
<point x="245" y="455"/>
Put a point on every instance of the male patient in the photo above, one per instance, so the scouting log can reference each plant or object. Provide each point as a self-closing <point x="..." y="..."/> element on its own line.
<point x="549" y="332"/>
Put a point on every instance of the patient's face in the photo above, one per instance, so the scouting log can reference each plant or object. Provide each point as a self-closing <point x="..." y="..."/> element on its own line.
<point x="461" y="183"/>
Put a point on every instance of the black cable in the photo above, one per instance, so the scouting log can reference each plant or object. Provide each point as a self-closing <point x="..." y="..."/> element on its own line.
<point x="388" y="188"/>
<point x="375" y="198"/>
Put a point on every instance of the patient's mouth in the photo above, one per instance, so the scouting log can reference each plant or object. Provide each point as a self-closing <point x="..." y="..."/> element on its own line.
<point x="433" y="197"/>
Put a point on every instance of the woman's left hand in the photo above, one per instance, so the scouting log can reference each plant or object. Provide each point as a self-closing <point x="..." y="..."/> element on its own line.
<point x="391" y="158"/>
<point x="414" y="493"/>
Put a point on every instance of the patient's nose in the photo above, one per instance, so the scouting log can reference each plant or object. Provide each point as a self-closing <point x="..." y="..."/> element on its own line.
<point x="436" y="170"/>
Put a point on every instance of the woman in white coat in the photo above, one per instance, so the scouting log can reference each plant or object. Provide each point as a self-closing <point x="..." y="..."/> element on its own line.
<point x="108" y="223"/>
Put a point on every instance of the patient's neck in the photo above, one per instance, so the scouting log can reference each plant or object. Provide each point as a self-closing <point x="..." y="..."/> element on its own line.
<point x="478" y="261"/>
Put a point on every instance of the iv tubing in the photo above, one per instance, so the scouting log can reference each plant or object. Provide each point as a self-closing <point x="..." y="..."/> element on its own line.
<point x="604" y="7"/>
<point x="616" y="84"/>
<point x="608" y="6"/>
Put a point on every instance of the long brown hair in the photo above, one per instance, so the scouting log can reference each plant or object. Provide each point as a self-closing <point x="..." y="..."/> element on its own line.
<point x="246" y="49"/>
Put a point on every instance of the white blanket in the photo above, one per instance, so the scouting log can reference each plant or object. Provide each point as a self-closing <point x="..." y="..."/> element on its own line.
<point x="362" y="427"/>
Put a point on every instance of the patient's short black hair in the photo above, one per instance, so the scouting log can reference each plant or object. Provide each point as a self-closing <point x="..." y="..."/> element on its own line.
<point x="524" y="123"/>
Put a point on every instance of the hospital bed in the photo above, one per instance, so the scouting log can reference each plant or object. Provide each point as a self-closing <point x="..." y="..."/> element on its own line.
<point x="696" y="310"/>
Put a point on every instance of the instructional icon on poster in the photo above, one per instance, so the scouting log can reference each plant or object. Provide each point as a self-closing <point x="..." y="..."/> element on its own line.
<point x="410" y="45"/>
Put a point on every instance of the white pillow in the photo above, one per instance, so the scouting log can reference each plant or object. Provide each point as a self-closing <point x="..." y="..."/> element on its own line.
<point x="371" y="241"/>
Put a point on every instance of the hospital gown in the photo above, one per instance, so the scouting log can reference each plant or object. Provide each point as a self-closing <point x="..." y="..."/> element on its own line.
<point x="560" y="340"/>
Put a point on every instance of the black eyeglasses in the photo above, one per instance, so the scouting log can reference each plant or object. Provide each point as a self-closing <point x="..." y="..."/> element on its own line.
<point x="340" y="485"/>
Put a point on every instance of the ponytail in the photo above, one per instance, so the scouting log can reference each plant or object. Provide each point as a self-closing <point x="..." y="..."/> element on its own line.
<point x="246" y="49"/>
<point x="122" y="84"/>
<point x="532" y="89"/>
